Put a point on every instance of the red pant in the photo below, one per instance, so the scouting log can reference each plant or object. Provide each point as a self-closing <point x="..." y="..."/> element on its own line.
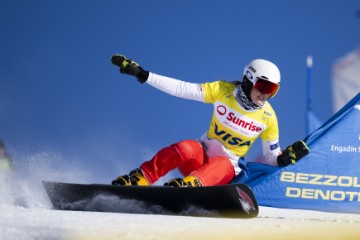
<point x="189" y="157"/>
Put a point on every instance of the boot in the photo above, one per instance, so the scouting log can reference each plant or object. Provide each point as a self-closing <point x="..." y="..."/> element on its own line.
<point x="135" y="177"/>
<point x="188" y="181"/>
<point x="123" y="180"/>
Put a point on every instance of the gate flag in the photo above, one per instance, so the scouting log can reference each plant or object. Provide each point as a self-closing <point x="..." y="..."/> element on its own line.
<point x="328" y="179"/>
<point x="346" y="78"/>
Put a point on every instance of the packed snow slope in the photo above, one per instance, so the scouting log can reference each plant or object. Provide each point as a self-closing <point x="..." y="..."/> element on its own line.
<point x="43" y="223"/>
<point x="26" y="213"/>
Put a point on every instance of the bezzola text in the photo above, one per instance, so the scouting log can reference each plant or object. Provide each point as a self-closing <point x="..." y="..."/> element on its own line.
<point x="345" y="182"/>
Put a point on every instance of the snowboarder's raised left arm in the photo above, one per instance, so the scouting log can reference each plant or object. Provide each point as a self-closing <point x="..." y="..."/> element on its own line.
<point x="171" y="86"/>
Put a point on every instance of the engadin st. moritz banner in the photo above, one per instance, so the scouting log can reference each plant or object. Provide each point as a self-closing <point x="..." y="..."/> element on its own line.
<point x="328" y="179"/>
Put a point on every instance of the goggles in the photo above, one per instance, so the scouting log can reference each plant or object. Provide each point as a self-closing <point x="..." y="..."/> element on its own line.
<point x="266" y="87"/>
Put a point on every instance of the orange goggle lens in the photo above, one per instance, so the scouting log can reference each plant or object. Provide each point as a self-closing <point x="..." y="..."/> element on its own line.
<point x="266" y="87"/>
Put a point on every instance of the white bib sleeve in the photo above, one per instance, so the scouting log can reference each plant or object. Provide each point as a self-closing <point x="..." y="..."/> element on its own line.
<point x="271" y="150"/>
<point x="176" y="87"/>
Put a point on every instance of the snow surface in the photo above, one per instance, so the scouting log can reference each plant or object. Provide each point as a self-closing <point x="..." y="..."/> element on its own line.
<point x="43" y="223"/>
<point x="30" y="216"/>
<point x="26" y="213"/>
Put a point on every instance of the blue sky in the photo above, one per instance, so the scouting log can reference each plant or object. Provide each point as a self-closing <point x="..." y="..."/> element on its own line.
<point x="60" y="95"/>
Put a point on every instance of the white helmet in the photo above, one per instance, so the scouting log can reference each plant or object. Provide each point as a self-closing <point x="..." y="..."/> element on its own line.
<point x="264" y="76"/>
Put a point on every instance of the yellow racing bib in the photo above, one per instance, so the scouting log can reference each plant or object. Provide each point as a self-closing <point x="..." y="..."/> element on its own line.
<point x="232" y="125"/>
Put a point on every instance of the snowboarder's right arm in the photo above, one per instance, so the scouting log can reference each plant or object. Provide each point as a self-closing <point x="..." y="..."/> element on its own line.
<point x="130" y="67"/>
<point x="171" y="86"/>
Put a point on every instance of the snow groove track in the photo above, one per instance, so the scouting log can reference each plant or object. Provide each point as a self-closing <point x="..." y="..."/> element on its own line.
<point x="39" y="222"/>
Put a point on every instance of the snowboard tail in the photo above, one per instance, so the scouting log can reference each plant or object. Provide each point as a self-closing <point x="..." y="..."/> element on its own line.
<point x="233" y="200"/>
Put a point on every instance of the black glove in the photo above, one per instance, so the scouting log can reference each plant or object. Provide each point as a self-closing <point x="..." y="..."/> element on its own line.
<point x="130" y="67"/>
<point x="293" y="153"/>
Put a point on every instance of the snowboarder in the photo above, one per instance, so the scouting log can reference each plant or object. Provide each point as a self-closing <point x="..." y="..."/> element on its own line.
<point x="6" y="163"/>
<point x="241" y="114"/>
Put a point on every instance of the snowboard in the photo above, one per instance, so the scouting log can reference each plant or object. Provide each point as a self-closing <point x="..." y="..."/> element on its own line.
<point x="232" y="200"/>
